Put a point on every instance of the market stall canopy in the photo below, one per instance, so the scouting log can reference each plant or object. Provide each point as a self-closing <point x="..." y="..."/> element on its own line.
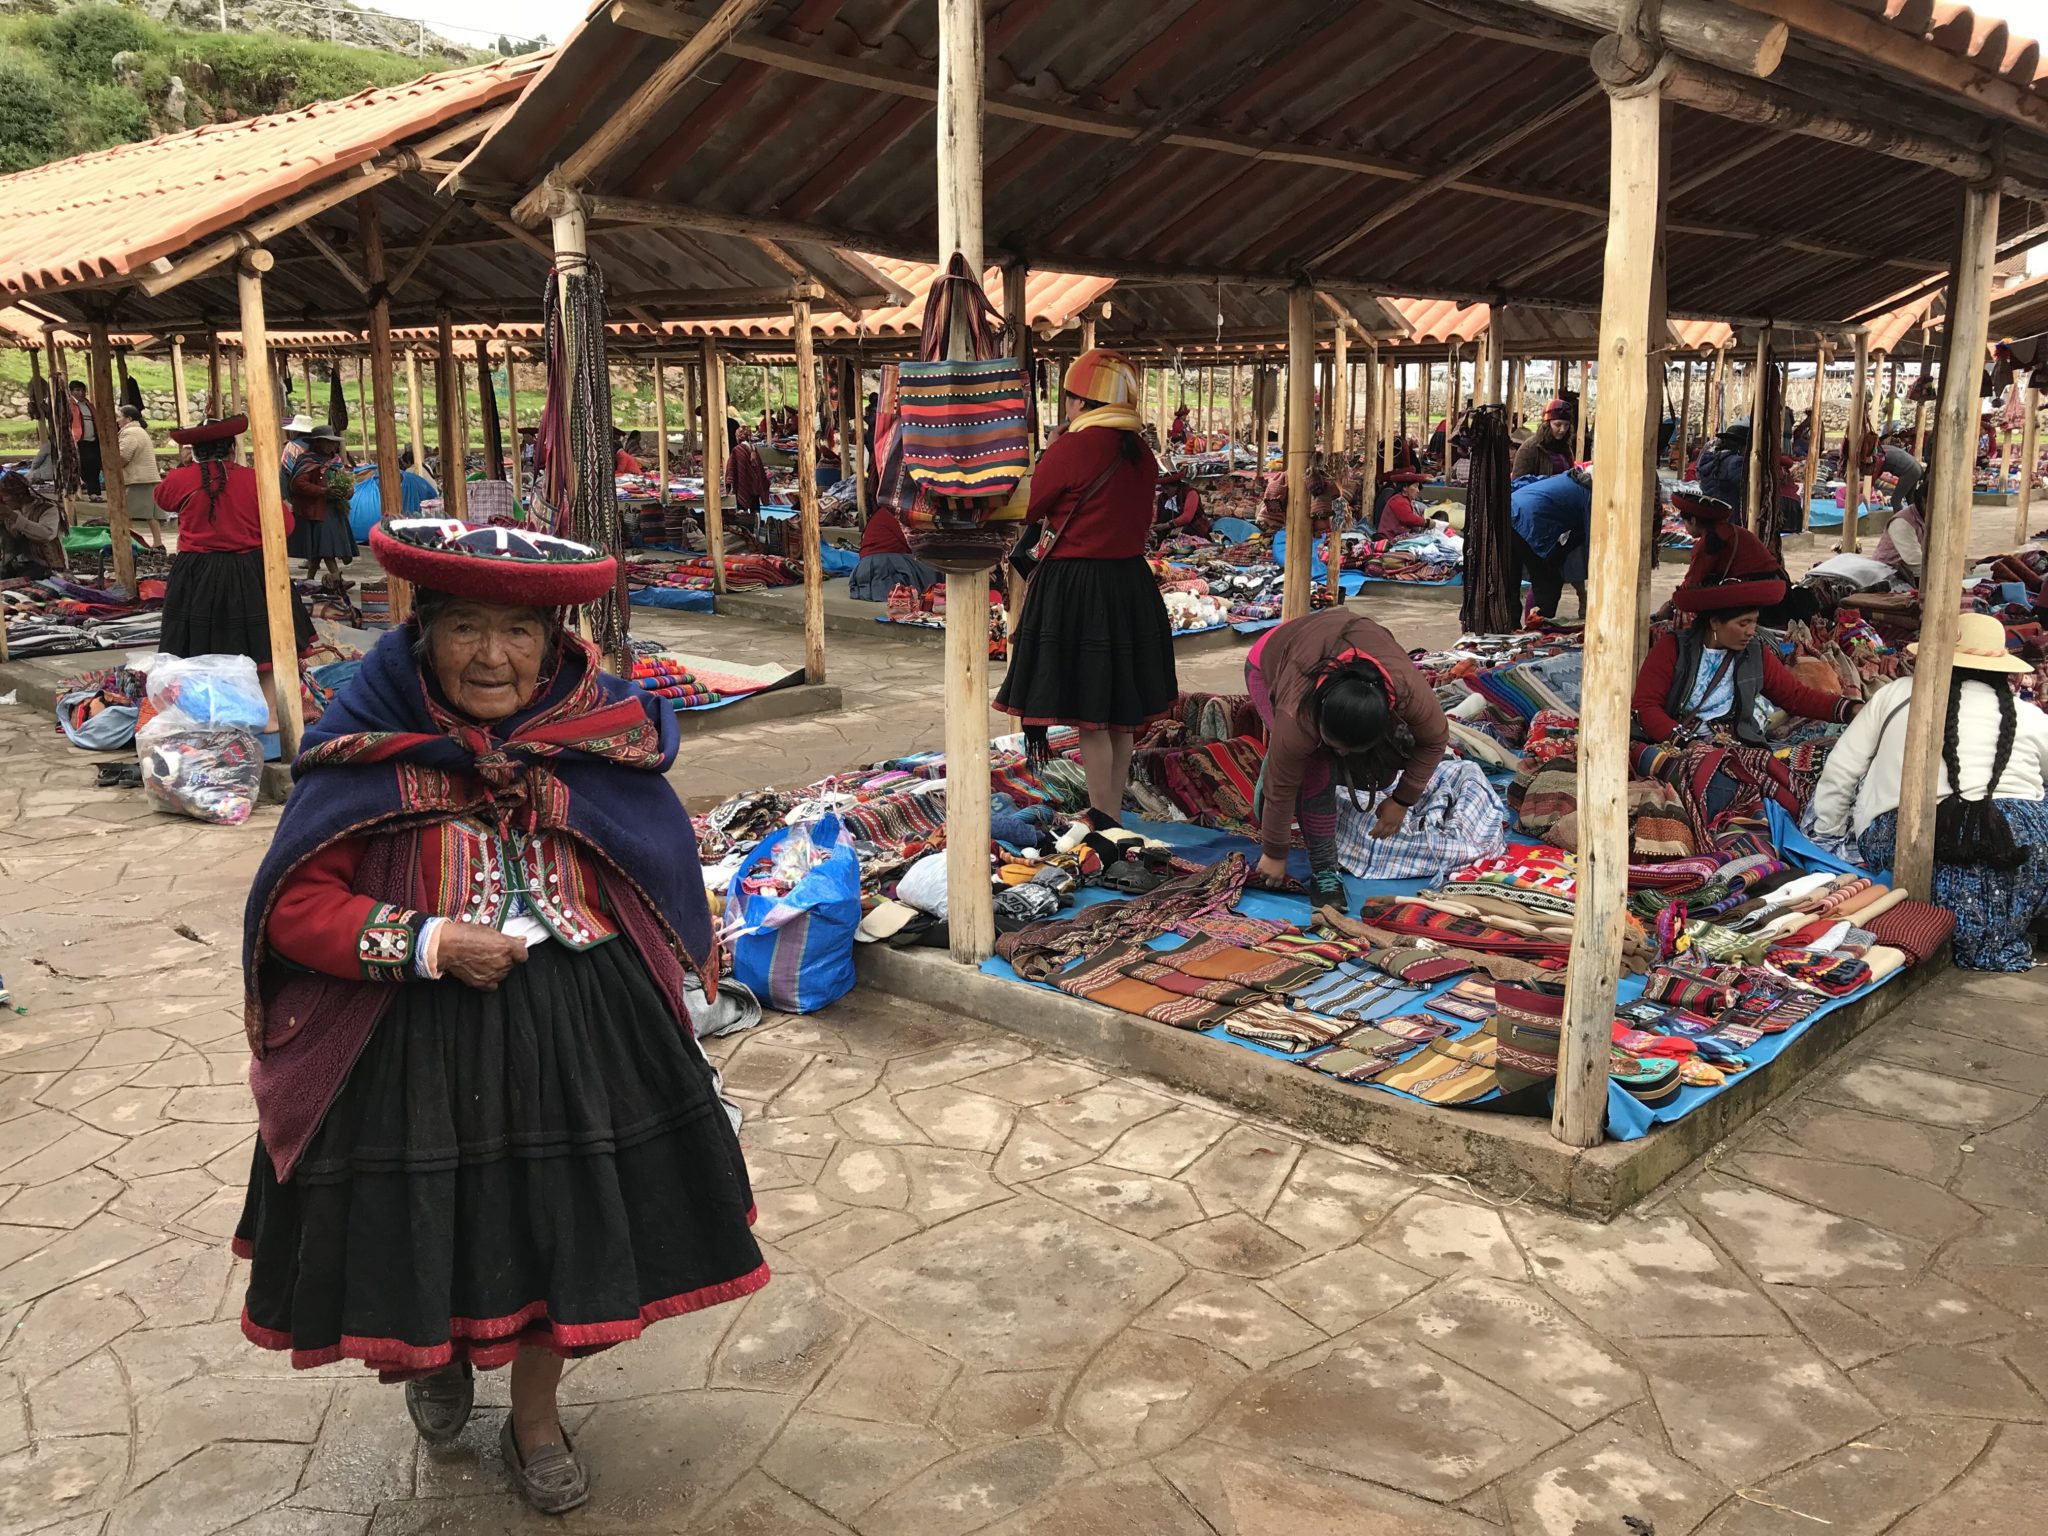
<point x="1449" y="150"/>
<point x="1215" y="321"/>
<point x="144" y="235"/>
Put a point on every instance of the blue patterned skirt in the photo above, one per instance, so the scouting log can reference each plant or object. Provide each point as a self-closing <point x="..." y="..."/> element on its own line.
<point x="1994" y="908"/>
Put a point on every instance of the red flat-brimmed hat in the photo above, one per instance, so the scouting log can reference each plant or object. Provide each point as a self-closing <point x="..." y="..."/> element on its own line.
<point x="211" y="431"/>
<point x="1404" y="477"/>
<point x="492" y="565"/>
<point x="1700" y="507"/>
<point x="1730" y="596"/>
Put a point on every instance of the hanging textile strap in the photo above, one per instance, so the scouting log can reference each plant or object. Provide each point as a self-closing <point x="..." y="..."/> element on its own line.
<point x="959" y="287"/>
<point x="1767" y="437"/>
<point x="487" y="406"/>
<point x="576" y="428"/>
<point x="1493" y="589"/>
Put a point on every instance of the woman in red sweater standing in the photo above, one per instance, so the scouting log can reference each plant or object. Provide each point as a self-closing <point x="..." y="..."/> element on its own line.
<point x="214" y="601"/>
<point x="1094" y="647"/>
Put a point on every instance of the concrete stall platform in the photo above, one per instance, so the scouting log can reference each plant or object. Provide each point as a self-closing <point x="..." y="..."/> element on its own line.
<point x="1512" y="1156"/>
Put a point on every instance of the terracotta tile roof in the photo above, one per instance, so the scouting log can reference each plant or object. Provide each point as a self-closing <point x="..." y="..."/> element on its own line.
<point x="103" y="215"/>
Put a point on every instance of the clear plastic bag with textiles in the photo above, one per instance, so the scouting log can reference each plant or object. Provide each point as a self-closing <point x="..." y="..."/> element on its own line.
<point x="201" y="747"/>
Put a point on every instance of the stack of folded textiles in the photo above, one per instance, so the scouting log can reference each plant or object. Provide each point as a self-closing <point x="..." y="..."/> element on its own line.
<point x="667" y="678"/>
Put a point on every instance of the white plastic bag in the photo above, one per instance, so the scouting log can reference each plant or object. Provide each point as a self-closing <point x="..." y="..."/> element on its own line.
<point x="212" y="692"/>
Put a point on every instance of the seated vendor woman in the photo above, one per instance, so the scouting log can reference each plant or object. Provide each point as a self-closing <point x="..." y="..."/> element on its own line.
<point x="1723" y="551"/>
<point x="1396" y="514"/>
<point x="1341" y="702"/>
<point x="1717" y="677"/>
<point x="886" y="561"/>
<point x="486" y="1133"/>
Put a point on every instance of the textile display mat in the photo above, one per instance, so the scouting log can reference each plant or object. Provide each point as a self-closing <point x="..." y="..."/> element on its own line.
<point x="674" y="598"/>
<point x="732" y="680"/>
<point x="1628" y="1118"/>
<point x="1823" y="513"/>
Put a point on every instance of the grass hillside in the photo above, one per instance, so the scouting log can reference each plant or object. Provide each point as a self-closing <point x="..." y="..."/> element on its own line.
<point x="95" y="75"/>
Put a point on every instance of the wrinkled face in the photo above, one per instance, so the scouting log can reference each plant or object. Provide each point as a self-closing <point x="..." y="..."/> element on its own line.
<point x="487" y="658"/>
<point x="1734" y="631"/>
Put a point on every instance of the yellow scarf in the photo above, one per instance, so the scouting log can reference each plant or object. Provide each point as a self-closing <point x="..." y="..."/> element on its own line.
<point x="1124" y="418"/>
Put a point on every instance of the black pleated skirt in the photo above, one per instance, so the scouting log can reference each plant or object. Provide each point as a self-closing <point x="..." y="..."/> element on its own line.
<point x="213" y="606"/>
<point x="329" y="537"/>
<point x="547" y="1165"/>
<point x="1093" y="648"/>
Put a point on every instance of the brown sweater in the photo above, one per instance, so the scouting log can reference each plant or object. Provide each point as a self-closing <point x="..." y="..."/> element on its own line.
<point x="1287" y="662"/>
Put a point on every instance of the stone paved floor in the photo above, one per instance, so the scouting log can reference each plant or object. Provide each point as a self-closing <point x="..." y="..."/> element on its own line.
<point x="1015" y="1294"/>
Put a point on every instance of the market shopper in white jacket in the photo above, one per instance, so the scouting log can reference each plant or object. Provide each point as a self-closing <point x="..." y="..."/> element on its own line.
<point x="1991" y="844"/>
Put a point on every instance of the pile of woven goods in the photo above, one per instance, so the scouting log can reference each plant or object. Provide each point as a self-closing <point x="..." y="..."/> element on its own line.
<point x="56" y="615"/>
<point x="667" y="678"/>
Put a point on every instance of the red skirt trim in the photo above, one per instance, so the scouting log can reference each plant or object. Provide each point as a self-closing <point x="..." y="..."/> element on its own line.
<point x="490" y="1342"/>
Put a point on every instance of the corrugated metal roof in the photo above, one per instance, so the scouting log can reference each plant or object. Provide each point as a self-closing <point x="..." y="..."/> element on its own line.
<point x="1261" y="140"/>
<point x="102" y="215"/>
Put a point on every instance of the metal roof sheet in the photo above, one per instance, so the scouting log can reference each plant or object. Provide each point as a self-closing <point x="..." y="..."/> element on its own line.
<point x="103" y="215"/>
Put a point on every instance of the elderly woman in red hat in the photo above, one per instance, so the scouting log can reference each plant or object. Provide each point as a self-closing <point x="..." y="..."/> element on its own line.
<point x="1094" y="647"/>
<point x="487" y="1134"/>
<point x="215" y="602"/>
<point x="1548" y="450"/>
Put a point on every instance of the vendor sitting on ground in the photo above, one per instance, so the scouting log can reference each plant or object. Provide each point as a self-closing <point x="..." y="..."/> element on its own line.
<point x="1340" y="700"/>
<point x="623" y="461"/>
<point x="1903" y="546"/>
<point x="886" y="561"/>
<point x="1551" y="516"/>
<point x="31" y="530"/>
<point x="1717" y="677"/>
<point x="1180" y="507"/>
<point x="1548" y="450"/>
<point x="1178" y="432"/>
<point x="1991" y="822"/>
<point x="1396" y="513"/>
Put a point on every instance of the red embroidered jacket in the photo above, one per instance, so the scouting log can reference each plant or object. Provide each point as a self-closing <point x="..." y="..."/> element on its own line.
<point x="320" y="922"/>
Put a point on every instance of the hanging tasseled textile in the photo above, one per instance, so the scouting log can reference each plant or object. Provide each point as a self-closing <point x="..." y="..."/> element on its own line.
<point x="576" y="428"/>
<point x="1766" y="441"/>
<point x="337" y="402"/>
<point x="131" y="392"/>
<point x="494" y="434"/>
<point x="1493" y="589"/>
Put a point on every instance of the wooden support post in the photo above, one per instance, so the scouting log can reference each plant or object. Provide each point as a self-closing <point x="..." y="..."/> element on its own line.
<point x="1337" y="410"/>
<point x="448" y="397"/>
<point x="1852" y="447"/>
<point x="368" y="447"/>
<point x="1402" y="433"/>
<point x="661" y="430"/>
<point x="1718" y="417"/>
<point x="266" y="444"/>
<point x="106" y="420"/>
<point x="1920" y="406"/>
<point x="416" y="414"/>
<point x="857" y="444"/>
<point x="970" y="914"/>
<point x="1763" y="437"/>
<point x="2004" y="457"/>
<point x="181" y="406"/>
<point x="390" y="480"/>
<point x="1623" y="449"/>
<point x="515" y="472"/>
<point x="1813" y="442"/>
<point x="1087" y="345"/>
<point x="1951" y="491"/>
<point x="1301" y="343"/>
<point x="2030" y="454"/>
<point x="1678" y="445"/>
<point x="1891" y="393"/>
<point x="807" y="494"/>
<point x="1583" y="414"/>
<point x="238" y="404"/>
<point x="714" y="460"/>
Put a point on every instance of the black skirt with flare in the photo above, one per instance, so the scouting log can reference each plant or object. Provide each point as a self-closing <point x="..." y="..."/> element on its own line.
<point x="213" y="606"/>
<point x="1093" y="648"/>
<point x="546" y="1165"/>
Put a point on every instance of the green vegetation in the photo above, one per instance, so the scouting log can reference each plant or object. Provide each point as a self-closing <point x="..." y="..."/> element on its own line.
<point x="60" y="95"/>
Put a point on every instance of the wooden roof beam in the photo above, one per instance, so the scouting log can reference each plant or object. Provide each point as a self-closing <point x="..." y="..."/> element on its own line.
<point x="654" y="93"/>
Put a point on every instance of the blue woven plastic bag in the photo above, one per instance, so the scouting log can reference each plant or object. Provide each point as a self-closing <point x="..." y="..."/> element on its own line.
<point x="796" y="951"/>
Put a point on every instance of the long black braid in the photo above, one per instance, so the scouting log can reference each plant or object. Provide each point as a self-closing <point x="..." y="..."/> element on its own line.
<point x="214" y="460"/>
<point x="1976" y="831"/>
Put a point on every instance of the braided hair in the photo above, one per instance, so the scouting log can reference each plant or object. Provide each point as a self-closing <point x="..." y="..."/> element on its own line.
<point x="1976" y="831"/>
<point x="214" y="460"/>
